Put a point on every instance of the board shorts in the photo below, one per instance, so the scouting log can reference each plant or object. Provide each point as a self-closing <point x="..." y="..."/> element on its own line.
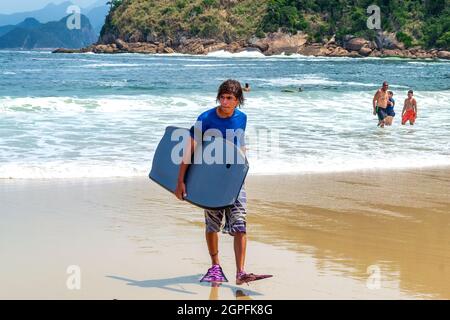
<point x="409" y="115"/>
<point x="390" y="111"/>
<point x="382" y="114"/>
<point x="235" y="217"/>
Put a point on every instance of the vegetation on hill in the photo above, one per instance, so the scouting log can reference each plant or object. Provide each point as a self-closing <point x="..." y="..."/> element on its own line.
<point x="424" y="23"/>
<point x="415" y="22"/>
<point x="226" y="20"/>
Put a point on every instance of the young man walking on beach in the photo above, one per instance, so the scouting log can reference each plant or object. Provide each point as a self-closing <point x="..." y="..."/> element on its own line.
<point x="224" y="118"/>
<point x="380" y="103"/>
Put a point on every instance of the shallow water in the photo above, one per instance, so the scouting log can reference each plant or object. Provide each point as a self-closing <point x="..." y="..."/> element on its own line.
<point x="86" y="115"/>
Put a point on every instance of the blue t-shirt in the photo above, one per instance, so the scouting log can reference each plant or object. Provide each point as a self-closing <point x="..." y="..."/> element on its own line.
<point x="237" y="123"/>
<point x="392" y="103"/>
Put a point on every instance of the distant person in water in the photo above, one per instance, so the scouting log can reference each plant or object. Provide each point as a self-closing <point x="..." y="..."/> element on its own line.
<point x="390" y="109"/>
<point x="409" y="112"/>
<point x="246" y="88"/>
<point x="380" y="103"/>
<point x="300" y="89"/>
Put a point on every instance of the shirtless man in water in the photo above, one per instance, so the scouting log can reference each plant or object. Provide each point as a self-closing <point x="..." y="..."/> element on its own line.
<point x="409" y="112"/>
<point x="380" y="103"/>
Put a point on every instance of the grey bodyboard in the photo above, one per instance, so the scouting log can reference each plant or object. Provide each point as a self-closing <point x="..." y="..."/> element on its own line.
<point x="209" y="186"/>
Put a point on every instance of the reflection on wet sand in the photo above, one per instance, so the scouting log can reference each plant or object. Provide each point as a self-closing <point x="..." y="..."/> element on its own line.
<point x="400" y="225"/>
<point x="239" y="293"/>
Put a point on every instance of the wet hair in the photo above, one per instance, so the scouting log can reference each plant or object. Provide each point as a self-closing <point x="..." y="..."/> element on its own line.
<point x="231" y="87"/>
<point x="385" y="83"/>
<point x="246" y="85"/>
<point x="390" y="92"/>
<point x="410" y="91"/>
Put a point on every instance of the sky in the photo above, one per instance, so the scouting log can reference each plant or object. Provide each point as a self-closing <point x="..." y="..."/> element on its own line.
<point x="7" y="7"/>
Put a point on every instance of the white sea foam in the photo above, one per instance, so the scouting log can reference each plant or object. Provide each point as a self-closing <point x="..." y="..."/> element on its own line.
<point x="175" y="54"/>
<point x="53" y="59"/>
<point x="219" y="65"/>
<point x="108" y="104"/>
<point x="209" y="65"/>
<point x="311" y="80"/>
<point x="242" y="54"/>
<point x="257" y="54"/>
<point x="266" y="166"/>
<point x="41" y="104"/>
<point x="61" y="170"/>
<point x="110" y="83"/>
<point x="177" y="103"/>
<point x="107" y="65"/>
<point x="323" y="165"/>
<point x="197" y="59"/>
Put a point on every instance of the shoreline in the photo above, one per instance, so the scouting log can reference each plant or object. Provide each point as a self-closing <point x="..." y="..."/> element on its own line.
<point x="431" y="55"/>
<point x="278" y="55"/>
<point x="273" y="44"/>
<point x="144" y="175"/>
<point x="318" y="234"/>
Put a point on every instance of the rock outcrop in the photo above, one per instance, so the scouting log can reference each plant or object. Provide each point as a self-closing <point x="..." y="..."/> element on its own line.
<point x="273" y="44"/>
<point x="277" y="43"/>
<point x="355" y="44"/>
<point x="444" y="55"/>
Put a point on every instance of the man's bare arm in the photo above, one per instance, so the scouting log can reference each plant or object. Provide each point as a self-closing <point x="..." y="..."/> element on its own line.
<point x="180" y="191"/>
<point x="374" y="102"/>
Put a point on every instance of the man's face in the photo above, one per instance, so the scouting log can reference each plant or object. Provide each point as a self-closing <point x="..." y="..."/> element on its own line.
<point x="228" y="101"/>
<point x="385" y="87"/>
<point x="410" y="95"/>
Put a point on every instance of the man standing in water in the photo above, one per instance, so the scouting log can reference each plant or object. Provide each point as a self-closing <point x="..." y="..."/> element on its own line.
<point x="409" y="112"/>
<point x="380" y="103"/>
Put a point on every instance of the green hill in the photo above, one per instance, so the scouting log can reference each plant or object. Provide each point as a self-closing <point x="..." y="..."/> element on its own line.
<point x="225" y="20"/>
<point x="424" y="23"/>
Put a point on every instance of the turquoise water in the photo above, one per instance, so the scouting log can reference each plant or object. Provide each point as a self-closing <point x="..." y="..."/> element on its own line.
<point x="85" y="115"/>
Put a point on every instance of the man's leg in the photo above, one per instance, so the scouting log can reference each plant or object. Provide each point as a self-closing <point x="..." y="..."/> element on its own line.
<point x="240" y="247"/>
<point x="240" y="243"/>
<point x="381" y="118"/>
<point x="388" y="120"/>
<point x="215" y="273"/>
<point x="212" y="240"/>
<point x="213" y="221"/>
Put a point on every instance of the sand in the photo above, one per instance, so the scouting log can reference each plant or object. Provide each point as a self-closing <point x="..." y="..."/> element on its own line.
<point x="321" y="235"/>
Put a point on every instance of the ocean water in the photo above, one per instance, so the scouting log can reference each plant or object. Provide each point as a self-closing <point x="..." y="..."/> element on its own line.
<point x="86" y="115"/>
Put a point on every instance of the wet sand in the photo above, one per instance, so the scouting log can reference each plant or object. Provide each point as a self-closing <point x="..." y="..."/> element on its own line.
<point x="321" y="235"/>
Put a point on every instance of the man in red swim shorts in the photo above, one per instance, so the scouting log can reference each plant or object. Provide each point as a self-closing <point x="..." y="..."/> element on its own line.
<point x="409" y="112"/>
